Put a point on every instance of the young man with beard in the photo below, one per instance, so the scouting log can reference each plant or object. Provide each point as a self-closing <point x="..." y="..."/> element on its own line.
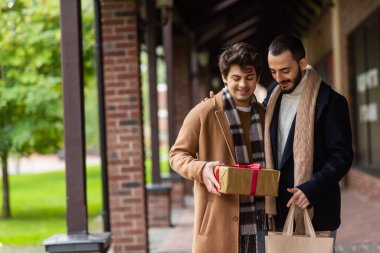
<point x="225" y="129"/>
<point x="307" y="137"/>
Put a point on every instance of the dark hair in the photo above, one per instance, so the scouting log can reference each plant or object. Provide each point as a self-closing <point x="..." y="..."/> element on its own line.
<point x="289" y="42"/>
<point x="242" y="54"/>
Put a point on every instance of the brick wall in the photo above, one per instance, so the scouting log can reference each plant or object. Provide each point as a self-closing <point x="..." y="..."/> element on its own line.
<point x="124" y="126"/>
<point x="177" y="190"/>
<point x="159" y="208"/>
<point x="182" y="85"/>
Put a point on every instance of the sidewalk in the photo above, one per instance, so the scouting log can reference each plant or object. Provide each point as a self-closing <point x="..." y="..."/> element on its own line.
<point x="176" y="239"/>
<point x="359" y="232"/>
<point x="43" y="163"/>
<point x="360" y="228"/>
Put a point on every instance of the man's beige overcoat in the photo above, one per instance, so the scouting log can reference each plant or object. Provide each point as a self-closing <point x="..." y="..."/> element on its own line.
<point x="205" y="136"/>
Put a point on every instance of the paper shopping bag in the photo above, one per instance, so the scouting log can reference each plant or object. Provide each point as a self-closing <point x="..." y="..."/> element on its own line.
<point x="287" y="242"/>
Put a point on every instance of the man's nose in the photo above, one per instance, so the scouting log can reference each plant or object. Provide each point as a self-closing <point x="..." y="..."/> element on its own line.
<point x="278" y="76"/>
<point x="243" y="83"/>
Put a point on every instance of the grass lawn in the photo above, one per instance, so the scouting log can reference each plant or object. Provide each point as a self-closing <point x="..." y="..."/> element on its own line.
<point x="164" y="169"/>
<point x="164" y="164"/>
<point x="38" y="206"/>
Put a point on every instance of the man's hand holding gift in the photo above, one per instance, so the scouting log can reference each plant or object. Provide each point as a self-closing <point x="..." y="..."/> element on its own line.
<point x="209" y="178"/>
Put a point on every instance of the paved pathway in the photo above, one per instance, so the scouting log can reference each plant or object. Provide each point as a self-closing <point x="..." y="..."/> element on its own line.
<point x="176" y="239"/>
<point x="360" y="229"/>
<point x="22" y="249"/>
<point x="359" y="232"/>
<point x="42" y="163"/>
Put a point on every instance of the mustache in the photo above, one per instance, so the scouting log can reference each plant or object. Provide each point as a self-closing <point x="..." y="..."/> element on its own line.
<point x="284" y="81"/>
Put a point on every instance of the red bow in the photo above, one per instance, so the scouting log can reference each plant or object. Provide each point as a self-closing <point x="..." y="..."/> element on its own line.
<point x="254" y="166"/>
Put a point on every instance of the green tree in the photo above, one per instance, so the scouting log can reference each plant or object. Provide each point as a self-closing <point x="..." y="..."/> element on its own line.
<point x="30" y="80"/>
<point x="30" y="110"/>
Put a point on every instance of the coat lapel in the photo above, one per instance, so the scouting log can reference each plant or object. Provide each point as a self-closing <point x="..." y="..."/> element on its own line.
<point x="322" y="99"/>
<point x="273" y="131"/>
<point x="224" y="126"/>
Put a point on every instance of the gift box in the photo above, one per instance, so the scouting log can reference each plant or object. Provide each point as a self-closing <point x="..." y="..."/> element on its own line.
<point x="251" y="180"/>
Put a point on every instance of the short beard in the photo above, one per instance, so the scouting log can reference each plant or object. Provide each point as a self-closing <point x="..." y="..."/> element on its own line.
<point x="296" y="82"/>
<point x="290" y="90"/>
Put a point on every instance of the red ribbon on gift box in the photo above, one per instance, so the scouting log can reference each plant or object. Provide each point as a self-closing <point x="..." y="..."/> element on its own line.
<point x="216" y="176"/>
<point x="255" y="166"/>
<point x="255" y="169"/>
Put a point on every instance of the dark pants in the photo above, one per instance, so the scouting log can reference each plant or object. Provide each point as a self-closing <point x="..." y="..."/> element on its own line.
<point x="247" y="243"/>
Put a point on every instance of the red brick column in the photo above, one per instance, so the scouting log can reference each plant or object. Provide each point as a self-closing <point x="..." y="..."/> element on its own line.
<point x="124" y="126"/>
<point x="181" y="81"/>
<point x="177" y="192"/>
<point x="182" y="89"/>
<point x="159" y="205"/>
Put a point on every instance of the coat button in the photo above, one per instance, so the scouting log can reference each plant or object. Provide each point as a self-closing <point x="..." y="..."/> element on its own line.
<point x="235" y="218"/>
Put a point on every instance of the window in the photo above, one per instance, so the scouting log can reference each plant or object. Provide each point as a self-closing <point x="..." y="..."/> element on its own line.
<point x="365" y="70"/>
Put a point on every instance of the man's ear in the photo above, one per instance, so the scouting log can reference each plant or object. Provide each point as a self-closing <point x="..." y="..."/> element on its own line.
<point x="224" y="79"/>
<point x="303" y="63"/>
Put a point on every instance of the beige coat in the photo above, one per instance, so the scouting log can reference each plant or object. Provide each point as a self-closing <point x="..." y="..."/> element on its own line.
<point x="205" y="136"/>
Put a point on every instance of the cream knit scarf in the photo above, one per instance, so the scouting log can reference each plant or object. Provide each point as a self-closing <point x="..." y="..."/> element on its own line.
<point x="303" y="146"/>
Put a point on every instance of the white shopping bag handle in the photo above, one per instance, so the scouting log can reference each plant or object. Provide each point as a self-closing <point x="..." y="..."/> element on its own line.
<point x="289" y="223"/>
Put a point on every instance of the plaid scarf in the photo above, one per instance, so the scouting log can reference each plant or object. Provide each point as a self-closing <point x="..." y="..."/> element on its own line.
<point x="252" y="212"/>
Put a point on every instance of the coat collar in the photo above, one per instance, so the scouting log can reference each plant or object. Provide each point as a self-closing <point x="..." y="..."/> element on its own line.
<point x="223" y="123"/>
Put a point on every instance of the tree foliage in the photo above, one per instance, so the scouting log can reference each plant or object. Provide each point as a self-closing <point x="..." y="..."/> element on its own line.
<point x="30" y="83"/>
<point x="30" y="77"/>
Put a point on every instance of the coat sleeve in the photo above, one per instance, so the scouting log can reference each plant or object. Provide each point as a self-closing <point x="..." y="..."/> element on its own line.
<point x="183" y="154"/>
<point x="337" y="151"/>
